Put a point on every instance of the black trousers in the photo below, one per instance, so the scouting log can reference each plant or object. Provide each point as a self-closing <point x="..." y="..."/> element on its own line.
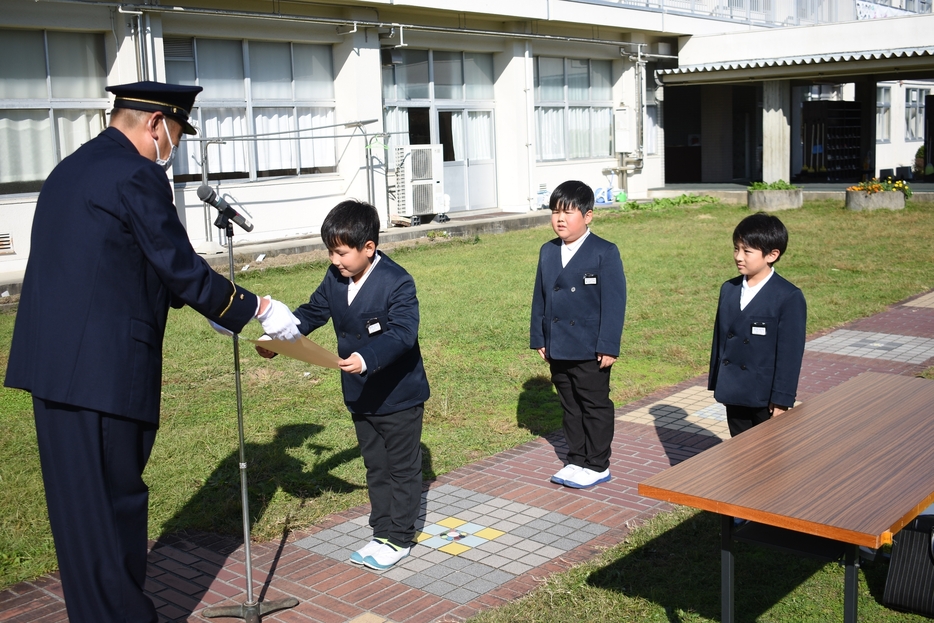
<point x="392" y="453"/>
<point x="741" y="419"/>
<point x="92" y="466"/>
<point x="584" y="390"/>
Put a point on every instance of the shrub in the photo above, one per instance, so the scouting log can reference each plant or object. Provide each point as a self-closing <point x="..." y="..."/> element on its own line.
<point x="776" y="185"/>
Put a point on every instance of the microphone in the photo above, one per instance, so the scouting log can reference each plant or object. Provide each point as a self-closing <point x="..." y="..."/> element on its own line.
<point x="207" y="195"/>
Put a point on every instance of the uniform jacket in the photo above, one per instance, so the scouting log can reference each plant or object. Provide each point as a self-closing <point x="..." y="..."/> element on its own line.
<point x="578" y="310"/>
<point x="756" y="354"/>
<point x="108" y="256"/>
<point x="382" y="326"/>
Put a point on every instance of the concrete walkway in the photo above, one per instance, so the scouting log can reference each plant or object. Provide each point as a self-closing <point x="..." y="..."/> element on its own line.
<point x="514" y="528"/>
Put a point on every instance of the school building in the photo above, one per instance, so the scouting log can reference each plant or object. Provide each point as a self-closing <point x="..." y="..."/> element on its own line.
<point x="431" y="107"/>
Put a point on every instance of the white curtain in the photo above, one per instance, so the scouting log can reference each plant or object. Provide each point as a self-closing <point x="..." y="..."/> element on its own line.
<point x="602" y="132"/>
<point x="319" y="151"/>
<point x="578" y="132"/>
<point x="549" y="125"/>
<point x="480" y="135"/>
<point x="231" y="156"/>
<point x="275" y="152"/>
<point x="457" y="134"/>
<point x="25" y="145"/>
<point x="397" y="124"/>
<point x="73" y="128"/>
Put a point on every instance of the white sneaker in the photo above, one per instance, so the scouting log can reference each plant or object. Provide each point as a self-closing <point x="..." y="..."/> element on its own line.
<point x="586" y="478"/>
<point x="565" y="472"/>
<point x="386" y="556"/>
<point x="368" y="549"/>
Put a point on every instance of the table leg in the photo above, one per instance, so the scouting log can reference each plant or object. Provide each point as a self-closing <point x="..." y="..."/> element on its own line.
<point x="726" y="569"/>
<point x="850" y="583"/>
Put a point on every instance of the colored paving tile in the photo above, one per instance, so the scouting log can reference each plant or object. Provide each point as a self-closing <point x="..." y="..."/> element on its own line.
<point x="468" y="543"/>
<point x="922" y="301"/>
<point x="886" y="346"/>
<point x="691" y="410"/>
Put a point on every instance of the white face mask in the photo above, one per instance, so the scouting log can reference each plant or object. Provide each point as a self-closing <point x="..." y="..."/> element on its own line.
<point x="165" y="164"/>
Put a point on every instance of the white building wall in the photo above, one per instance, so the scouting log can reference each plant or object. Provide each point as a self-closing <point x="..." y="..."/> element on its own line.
<point x="899" y="152"/>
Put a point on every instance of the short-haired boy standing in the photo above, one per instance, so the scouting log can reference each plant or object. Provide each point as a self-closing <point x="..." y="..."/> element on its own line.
<point x="372" y="303"/>
<point x="758" y="336"/>
<point x="578" y="308"/>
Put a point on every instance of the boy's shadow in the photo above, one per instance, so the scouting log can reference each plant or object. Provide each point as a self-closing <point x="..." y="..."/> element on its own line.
<point x="679" y="570"/>
<point x="539" y="411"/>
<point x="216" y="507"/>
<point x="665" y="413"/>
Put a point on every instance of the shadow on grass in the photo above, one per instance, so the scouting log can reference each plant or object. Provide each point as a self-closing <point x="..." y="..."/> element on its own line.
<point x="680" y="571"/>
<point x="539" y="411"/>
<point x="196" y="542"/>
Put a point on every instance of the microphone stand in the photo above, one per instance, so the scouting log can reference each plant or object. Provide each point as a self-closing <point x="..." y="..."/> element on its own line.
<point x="251" y="610"/>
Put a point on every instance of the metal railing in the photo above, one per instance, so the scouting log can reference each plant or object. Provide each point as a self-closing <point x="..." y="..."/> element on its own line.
<point x="764" y="12"/>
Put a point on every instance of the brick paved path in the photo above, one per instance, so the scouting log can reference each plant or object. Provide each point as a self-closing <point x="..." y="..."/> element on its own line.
<point x="512" y="527"/>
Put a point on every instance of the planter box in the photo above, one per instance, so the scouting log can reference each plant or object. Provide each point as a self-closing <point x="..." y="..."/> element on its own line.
<point x="772" y="200"/>
<point x="887" y="199"/>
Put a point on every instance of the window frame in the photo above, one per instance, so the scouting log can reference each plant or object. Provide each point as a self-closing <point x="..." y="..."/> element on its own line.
<point x="884" y="114"/>
<point x="249" y="107"/>
<point x="595" y="107"/>
<point x="96" y="106"/>
<point x="914" y="114"/>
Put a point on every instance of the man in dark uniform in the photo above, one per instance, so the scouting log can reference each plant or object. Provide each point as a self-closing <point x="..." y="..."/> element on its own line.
<point x="108" y="257"/>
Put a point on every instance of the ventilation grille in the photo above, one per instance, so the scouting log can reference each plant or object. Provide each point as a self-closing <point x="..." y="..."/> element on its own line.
<point x="421" y="164"/>
<point x="179" y="48"/>
<point x="6" y="244"/>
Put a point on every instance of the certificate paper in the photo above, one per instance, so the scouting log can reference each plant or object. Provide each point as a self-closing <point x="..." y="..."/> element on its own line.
<point x="303" y="349"/>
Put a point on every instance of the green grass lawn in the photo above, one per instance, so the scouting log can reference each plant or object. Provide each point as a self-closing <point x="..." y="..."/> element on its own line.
<point x="489" y="391"/>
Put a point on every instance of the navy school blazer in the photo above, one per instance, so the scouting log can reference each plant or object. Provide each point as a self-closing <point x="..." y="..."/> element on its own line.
<point x="756" y="354"/>
<point x="578" y="310"/>
<point x="382" y="325"/>
<point x="109" y="255"/>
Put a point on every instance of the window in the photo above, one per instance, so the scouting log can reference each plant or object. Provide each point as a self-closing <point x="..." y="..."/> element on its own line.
<point x="650" y="132"/>
<point x="52" y="100"/>
<point x="883" y="114"/>
<point x="281" y="92"/>
<point x="422" y="78"/>
<point x="573" y="108"/>
<point x="914" y="114"/>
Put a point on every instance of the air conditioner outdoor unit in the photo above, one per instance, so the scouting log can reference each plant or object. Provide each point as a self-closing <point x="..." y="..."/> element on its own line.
<point x="419" y="182"/>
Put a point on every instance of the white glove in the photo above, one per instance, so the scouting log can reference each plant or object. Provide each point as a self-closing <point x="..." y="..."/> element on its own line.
<point x="279" y="322"/>
<point x="220" y="329"/>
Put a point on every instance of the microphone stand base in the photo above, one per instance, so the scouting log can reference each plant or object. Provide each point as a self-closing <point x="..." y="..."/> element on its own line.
<point x="250" y="613"/>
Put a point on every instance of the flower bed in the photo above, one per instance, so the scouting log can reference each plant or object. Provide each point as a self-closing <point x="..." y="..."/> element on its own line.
<point x="876" y="194"/>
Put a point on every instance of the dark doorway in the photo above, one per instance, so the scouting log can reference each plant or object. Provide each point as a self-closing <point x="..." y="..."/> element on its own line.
<point x="747" y="121"/>
<point x="683" y="135"/>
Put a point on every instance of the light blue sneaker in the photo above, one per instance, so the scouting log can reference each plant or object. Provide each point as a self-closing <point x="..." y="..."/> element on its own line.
<point x="358" y="556"/>
<point x="386" y="556"/>
<point x="586" y="478"/>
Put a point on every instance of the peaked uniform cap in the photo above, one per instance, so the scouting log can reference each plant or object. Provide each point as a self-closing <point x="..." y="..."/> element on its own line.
<point x="172" y="100"/>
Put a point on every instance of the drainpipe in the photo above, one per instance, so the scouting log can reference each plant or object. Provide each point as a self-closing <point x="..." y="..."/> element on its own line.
<point x="529" y="127"/>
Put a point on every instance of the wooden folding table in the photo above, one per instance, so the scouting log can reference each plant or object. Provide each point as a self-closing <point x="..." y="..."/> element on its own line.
<point x="844" y="469"/>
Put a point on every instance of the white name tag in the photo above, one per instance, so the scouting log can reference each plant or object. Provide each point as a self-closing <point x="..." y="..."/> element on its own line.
<point x="590" y="280"/>
<point x="758" y="330"/>
<point x="374" y="328"/>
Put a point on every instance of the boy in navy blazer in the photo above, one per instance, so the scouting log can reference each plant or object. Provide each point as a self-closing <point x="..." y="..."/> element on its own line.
<point x="371" y="301"/>
<point x="758" y="336"/>
<point x="578" y="308"/>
